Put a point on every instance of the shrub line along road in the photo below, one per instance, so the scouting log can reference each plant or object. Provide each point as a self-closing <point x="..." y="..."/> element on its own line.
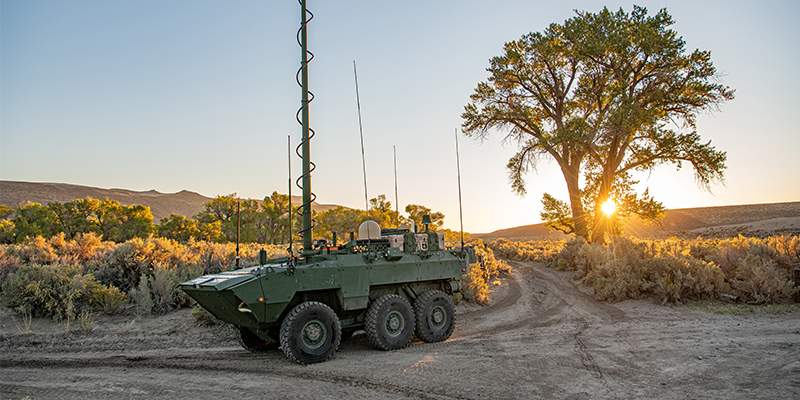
<point x="541" y="338"/>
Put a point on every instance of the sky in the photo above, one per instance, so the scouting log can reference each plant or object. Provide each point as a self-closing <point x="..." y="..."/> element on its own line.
<point x="200" y="95"/>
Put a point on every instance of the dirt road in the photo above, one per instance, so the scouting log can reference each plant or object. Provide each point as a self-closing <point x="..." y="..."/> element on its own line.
<point x="542" y="338"/>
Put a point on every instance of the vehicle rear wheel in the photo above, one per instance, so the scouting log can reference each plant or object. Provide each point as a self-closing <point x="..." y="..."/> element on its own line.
<point x="435" y="315"/>
<point x="254" y="343"/>
<point x="310" y="333"/>
<point x="390" y="322"/>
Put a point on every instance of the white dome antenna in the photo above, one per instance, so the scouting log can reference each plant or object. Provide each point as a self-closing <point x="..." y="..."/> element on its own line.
<point x="369" y="230"/>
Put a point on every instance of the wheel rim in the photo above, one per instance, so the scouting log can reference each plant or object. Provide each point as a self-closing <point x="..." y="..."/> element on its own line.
<point x="314" y="334"/>
<point x="395" y="323"/>
<point x="438" y="317"/>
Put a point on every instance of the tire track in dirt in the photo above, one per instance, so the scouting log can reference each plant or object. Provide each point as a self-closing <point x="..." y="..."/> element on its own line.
<point x="143" y="362"/>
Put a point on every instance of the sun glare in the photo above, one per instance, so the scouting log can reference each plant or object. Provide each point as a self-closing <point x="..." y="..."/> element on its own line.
<point x="608" y="207"/>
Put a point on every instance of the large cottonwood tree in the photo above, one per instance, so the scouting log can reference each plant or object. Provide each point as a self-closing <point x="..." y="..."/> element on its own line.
<point x="604" y="95"/>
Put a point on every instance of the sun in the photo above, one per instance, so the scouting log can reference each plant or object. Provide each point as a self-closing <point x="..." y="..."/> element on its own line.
<point x="608" y="207"/>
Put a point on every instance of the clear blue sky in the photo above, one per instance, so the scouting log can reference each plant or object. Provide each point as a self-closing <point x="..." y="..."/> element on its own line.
<point x="200" y="95"/>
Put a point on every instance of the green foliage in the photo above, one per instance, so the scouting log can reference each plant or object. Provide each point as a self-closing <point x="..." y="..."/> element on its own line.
<point x="603" y="94"/>
<point x="341" y="220"/>
<point x="7" y="230"/>
<point x="33" y="219"/>
<point x="109" y="218"/>
<point x="344" y="220"/>
<point x="265" y="221"/>
<point x="416" y="212"/>
<point x="178" y="227"/>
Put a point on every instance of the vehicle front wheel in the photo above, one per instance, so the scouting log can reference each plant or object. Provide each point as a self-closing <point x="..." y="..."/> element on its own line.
<point x="310" y="333"/>
<point x="390" y="322"/>
<point x="435" y="316"/>
<point x="255" y="343"/>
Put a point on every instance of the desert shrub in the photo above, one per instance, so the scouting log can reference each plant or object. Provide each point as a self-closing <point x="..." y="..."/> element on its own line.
<point x="123" y="266"/>
<point x="9" y="262"/>
<point x="533" y="250"/>
<point x="477" y="284"/>
<point x="35" y="250"/>
<point x="482" y="274"/>
<point x="7" y="229"/>
<point x="83" y="249"/>
<point x="752" y="270"/>
<point x="163" y="289"/>
<point x="52" y="290"/>
<point x="110" y="299"/>
<point x="760" y="280"/>
<point x="615" y="280"/>
<point x="678" y="279"/>
<point x="141" y="296"/>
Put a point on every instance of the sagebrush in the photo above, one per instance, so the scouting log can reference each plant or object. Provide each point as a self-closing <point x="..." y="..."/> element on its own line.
<point x="743" y="269"/>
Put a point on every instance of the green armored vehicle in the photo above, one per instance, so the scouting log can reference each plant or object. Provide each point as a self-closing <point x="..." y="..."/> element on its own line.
<point x="392" y="283"/>
<point x="393" y="286"/>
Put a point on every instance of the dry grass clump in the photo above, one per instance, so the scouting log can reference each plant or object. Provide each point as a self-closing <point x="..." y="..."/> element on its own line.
<point x="750" y="270"/>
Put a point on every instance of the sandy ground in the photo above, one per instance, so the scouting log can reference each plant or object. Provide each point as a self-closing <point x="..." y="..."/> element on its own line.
<point x="541" y="338"/>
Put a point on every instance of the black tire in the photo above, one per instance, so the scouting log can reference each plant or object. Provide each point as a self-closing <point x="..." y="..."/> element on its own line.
<point x="435" y="315"/>
<point x="254" y="343"/>
<point x="390" y="322"/>
<point x="310" y="333"/>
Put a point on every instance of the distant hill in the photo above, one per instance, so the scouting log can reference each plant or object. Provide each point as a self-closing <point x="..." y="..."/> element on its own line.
<point x="13" y="193"/>
<point x="703" y="221"/>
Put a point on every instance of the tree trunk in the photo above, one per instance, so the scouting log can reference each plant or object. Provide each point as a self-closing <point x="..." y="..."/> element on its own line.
<point x="601" y="222"/>
<point x="579" y="217"/>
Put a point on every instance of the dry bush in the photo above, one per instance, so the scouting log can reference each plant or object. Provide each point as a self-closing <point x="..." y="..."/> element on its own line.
<point x="533" y="250"/>
<point x="615" y="280"/>
<point x="110" y="299"/>
<point x="141" y="296"/>
<point x="99" y="275"/>
<point x="9" y="262"/>
<point x="759" y="280"/>
<point x="481" y="274"/>
<point x="35" y="250"/>
<point x="56" y="291"/>
<point x="752" y="270"/>
<point x="678" y="279"/>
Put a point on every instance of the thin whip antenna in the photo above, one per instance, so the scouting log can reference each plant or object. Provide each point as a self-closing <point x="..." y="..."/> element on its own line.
<point x="396" y="201"/>
<point x="290" y="215"/>
<point x="460" y="211"/>
<point x="361" y="132"/>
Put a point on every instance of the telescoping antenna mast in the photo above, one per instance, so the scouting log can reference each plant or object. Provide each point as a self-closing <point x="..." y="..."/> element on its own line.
<point x="396" y="201"/>
<point x="290" y="213"/>
<point x="460" y="212"/>
<point x="361" y="133"/>
<point x="304" y="149"/>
